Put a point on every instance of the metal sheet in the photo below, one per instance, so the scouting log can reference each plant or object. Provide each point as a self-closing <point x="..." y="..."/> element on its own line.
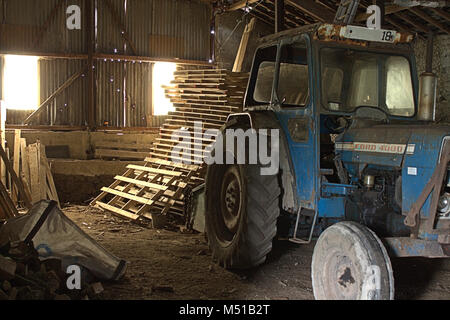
<point x="23" y="23"/>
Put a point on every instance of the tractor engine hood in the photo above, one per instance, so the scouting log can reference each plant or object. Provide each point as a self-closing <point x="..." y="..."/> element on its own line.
<point x="388" y="145"/>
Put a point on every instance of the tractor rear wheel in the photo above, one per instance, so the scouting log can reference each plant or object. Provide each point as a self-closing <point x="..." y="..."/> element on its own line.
<point x="351" y="263"/>
<point x="242" y="207"/>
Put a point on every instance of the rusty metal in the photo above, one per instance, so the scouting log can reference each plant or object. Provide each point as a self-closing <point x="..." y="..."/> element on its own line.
<point x="331" y="32"/>
<point x="434" y="185"/>
<point x="407" y="247"/>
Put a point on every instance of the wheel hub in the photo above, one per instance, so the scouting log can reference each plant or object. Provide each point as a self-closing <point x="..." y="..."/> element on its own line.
<point x="342" y="278"/>
<point x="231" y="199"/>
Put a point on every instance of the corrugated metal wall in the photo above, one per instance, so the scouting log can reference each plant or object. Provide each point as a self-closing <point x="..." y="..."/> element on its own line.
<point x="123" y="93"/>
<point x="157" y="28"/>
<point x="22" y="26"/>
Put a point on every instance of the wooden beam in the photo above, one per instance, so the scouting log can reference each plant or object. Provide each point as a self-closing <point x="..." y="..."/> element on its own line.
<point x="279" y="16"/>
<point x="16" y="165"/>
<point x="90" y="43"/>
<point x="389" y="9"/>
<point x="18" y="181"/>
<point x="58" y="91"/>
<point x="441" y="13"/>
<point x="240" y="4"/>
<point x="239" y="61"/>
<point x="107" y="56"/>
<point x="430" y="20"/>
<point x="314" y="9"/>
<point x="413" y="22"/>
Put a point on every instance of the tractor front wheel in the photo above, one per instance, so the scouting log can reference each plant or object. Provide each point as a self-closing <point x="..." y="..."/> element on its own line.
<point x="351" y="263"/>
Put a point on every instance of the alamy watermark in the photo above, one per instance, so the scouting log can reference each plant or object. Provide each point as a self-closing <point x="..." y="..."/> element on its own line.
<point x="232" y="146"/>
<point x="74" y="280"/>
<point x="73" y="21"/>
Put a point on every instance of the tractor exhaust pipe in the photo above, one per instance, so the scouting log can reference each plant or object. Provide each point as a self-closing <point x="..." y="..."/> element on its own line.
<point x="427" y="87"/>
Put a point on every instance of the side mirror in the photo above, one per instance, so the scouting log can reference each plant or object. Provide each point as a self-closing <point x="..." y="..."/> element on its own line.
<point x="427" y="96"/>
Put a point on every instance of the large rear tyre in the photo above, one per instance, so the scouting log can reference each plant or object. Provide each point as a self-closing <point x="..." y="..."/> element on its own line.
<point x="351" y="263"/>
<point x="242" y="207"/>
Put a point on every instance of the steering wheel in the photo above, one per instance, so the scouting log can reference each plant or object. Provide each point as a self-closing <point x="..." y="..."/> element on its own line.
<point x="336" y="125"/>
<point x="371" y="112"/>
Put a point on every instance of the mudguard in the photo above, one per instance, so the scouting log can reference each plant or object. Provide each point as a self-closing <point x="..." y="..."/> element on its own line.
<point x="268" y="120"/>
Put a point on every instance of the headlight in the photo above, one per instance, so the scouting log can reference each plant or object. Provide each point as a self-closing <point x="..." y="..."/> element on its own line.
<point x="444" y="205"/>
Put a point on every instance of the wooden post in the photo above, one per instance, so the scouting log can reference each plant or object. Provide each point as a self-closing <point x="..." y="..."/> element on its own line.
<point x="238" y="63"/>
<point x="279" y="15"/>
<point x="16" y="164"/>
<point x="2" y="140"/>
<point x="90" y="38"/>
<point x="34" y="172"/>
<point x="382" y="6"/>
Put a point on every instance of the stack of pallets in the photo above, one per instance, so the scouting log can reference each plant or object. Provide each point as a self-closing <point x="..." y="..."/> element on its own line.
<point x="203" y="98"/>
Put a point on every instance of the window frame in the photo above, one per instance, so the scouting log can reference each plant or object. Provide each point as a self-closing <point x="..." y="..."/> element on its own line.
<point x="287" y="42"/>
<point x="382" y="81"/>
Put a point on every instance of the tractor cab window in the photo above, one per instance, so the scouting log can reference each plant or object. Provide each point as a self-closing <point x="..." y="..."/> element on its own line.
<point x="263" y="75"/>
<point x="293" y="89"/>
<point x="352" y="79"/>
<point x="399" y="90"/>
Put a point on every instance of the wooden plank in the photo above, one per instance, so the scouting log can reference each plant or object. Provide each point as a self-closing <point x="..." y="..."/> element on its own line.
<point x="34" y="172"/>
<point x="118" y="211"/>
<point x="2" y="140"/>
<point x="51" y="183"/>
<point x="164" y="157"/>
<point x="141" y="183"/>
<point x="241" y="54"/>
<point x="153" y="170"/>
<point x="22" y="191"/>
<point x="173" y="164"/>
<point x="8" y="206"/>
<point x="25" y="172"/>
<point x="128" y="196"/>
<point x="42" y="171"/>
<point x="16" y="163"/>
<point x="118" y="145"/>
<point x="122" y="154"/>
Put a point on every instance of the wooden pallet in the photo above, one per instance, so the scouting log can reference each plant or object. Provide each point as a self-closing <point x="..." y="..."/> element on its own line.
<point x="123" y="151"/>
<point x="157" y="187"/>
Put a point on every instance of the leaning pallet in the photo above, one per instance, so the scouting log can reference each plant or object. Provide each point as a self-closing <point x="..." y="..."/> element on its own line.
<point x="203" y="98"/>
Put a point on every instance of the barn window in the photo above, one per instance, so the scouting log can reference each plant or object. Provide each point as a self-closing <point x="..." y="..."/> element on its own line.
<point x="163" y="74"/>
<point x="21" y="83"/>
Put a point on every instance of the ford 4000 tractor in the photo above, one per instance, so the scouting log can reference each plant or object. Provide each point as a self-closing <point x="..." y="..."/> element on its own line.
<point x="363" y="167"/>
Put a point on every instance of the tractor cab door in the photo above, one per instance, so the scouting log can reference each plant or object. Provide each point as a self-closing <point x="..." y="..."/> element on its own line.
<point x="292" y="99"/>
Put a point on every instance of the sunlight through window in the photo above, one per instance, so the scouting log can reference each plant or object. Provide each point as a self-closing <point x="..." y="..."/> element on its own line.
<point x="20" y="88"/>
<point x="162" y="76"/>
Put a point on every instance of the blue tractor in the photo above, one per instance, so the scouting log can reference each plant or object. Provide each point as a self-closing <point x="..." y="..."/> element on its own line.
<point x="362" y="165"/>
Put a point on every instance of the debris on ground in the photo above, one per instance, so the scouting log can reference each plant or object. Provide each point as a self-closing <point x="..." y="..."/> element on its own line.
<point x="46" y="256"/>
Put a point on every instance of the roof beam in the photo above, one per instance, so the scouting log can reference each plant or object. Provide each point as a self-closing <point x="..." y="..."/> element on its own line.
<point x="413" y="22"/>
<point x="314" y="9"/>
<point x="389" y="9"/>
<point x="240" y="4"/>
<point x="430" y="19"/>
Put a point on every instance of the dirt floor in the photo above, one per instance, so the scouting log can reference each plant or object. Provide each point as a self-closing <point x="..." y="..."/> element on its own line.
<point x="178" y="266"/>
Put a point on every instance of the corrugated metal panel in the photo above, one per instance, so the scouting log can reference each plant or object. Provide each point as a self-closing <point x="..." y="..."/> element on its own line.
<point x="157" y="28"/>
<point x="23" y="24"/>
<point x="70" y="106"/>
<point x="109" y="39"/>
<point x="123" y="93"/>
<point x="138" y="105"/>
<point x="110" y="93"/>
